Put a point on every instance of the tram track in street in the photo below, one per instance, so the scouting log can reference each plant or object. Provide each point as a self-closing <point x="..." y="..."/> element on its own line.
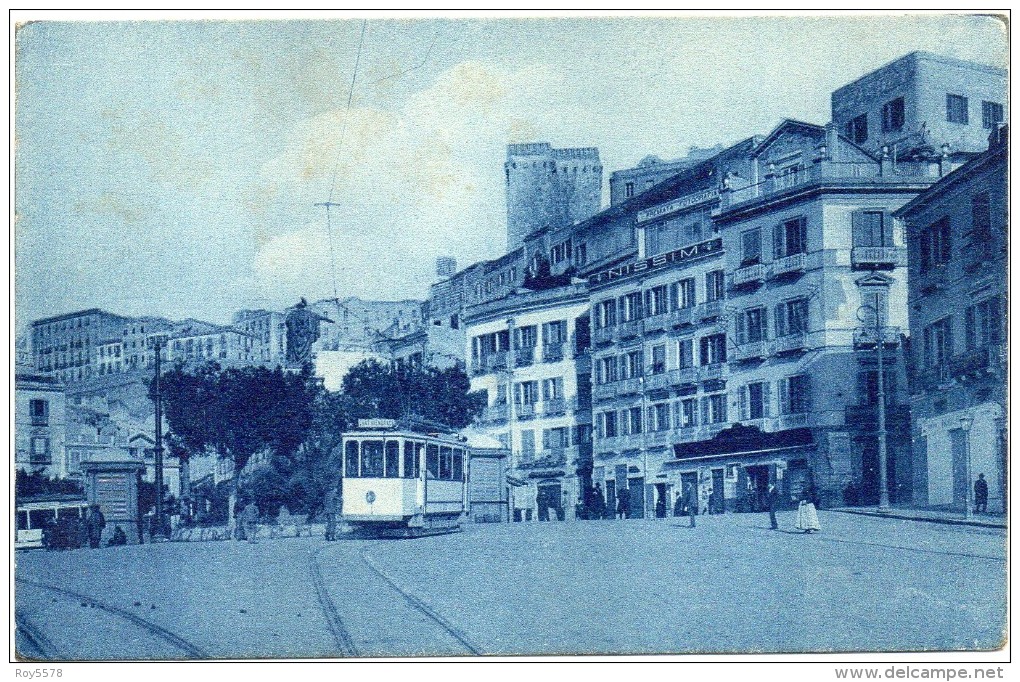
<point x="40" y="642"/>
<point x="39" y="645"/>
<point x="336" y="625"/>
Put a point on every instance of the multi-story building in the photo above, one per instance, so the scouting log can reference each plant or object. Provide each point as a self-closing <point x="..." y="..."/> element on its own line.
<point x="651" y="170"/>
<point x="919" y="101"/>
<point x="39" y="425"/>
<point x="65" y="346"/>
<point x="528" y="352"/>
<point x="270" y="328"/>
<point x="355" y="324"/>
<point x="958" y="244"/>
<point x="194" y="341"/>
<point x="548" y="187"/>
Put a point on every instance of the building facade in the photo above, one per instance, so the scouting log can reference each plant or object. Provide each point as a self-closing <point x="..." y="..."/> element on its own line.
<point x="547" y="187"/>
<point x="922" y="100"/>
<point x="196" y="342"/>
<point x="529" y="353"/>
<point x="65" y="346"/>
<point x="39" y="425"/>
<point x="270" y="328"/>
<point x="651" y="170"/>
<point x="958" y="246"/>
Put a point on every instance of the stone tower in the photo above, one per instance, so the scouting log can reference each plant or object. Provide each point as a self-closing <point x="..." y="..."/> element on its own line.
<point x="548" y="187"/>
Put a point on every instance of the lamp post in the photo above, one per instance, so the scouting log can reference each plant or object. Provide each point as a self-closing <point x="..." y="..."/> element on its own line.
<point x="644" y="442"/>
<point x="157" y="530"/>
<point x="511" y="416"/>
<point x="966" y="422"/>
<point x="874" y="311"/>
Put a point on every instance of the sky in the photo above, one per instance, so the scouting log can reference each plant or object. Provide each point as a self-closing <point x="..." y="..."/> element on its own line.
<point x="172" y="168"/>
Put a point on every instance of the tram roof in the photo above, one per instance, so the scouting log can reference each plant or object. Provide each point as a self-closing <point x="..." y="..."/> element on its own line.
<point x="452" y="438"/>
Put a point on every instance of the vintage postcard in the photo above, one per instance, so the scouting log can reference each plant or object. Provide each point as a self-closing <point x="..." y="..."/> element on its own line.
<point x="492" y="336"/>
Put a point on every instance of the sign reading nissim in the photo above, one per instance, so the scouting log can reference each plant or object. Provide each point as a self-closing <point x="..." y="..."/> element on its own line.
<point x="682" y="254"/>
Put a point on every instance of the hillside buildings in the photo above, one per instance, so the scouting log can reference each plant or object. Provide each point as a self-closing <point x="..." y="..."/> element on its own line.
<point x="957" y="237"/>
<point x="39" y="425"/>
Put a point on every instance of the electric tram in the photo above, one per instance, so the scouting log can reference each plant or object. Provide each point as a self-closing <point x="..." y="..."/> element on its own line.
<point x="401" y="482"/>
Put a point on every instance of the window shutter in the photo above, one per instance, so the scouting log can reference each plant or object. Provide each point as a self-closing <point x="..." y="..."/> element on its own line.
<point x="742" y="402"/>
<point x="777" y="241"/>
<point x="704" y="350"/>
<point x="781" y="326"/>
<point x="857" y="229"/>
<point x="704" y="411"/>
<point x="648" y="301"/>
<point x="766" y="398"/>
<point x="805" y="392"/>
<point x="764" y="324"/>
<point x="741" y="328"/>
<point x="887" y="228"/>
<point x="969" y="328"/>
<point x="545" y="439"/>
<point x="784" y="396"/>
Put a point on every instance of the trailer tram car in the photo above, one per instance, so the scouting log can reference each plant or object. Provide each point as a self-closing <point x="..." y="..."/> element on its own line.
<point x="399" y="482"/>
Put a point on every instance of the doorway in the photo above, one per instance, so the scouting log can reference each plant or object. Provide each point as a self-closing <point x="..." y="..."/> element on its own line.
<point x="717" y="500"/>
<point x="637" y="499"/>
<point x="757" y="488"/>
<point x="549" y="502"/>
<point x="688" y="479"/>
<point x="661" y="500"/>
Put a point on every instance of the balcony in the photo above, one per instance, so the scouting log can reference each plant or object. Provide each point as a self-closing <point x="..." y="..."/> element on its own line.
<point x="545" y="459"/>
<point x="790" y="266"/>
<point x="608" y="444"/>
<point x="748" y="277"/>
<point x="793" y="421"/>
<point x="790" y="343"/>
<point x="524" y="357"/>
<point x="681" y="317"/>
<point x="685" y="375"/>
<point x="602" y="336"/>
<point x="978" y="362"/>
<point x="864" y="337"/>
<point x="936" y="378"/>
<point x="629" y="330"/>
<point x="552" y="352"/>
<point x="494" y="362"/>
<point x="654" y="382"/>
<point x="708" y="310"/>
<point x="553" y="407"/>
<point x="934" y="279"/>
<point x="751" y="350"/>
<point x="874" y="257"/>
<point x="657" y="439"/>
<point x="628" y="386"/>
<point x="495" y="413"/>
<point x="656" y="323"/>
<point x="685" y="434"/>
<point x="709" y="431"/>
<point x="526" y="411"/>
<point x="713" y="371"/>
<point x="604" y="391"/>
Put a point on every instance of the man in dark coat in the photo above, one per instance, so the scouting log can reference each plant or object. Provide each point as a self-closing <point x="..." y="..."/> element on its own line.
<point x="598" y="502"/>
<point x="332" y="510"/>
<point x="623" y="503"/>
<point x="692" y="503"/>
<point x="95" y="522"/>
<point x="981" y="495"/>
<point x="773" y="500"/>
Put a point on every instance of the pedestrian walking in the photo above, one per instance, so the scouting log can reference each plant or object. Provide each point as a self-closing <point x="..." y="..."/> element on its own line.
<point x="600" y="502"/>
<point x="807" y="515"/>
<point x="622" y="503"/>
<point x="332" y="511"/>
<point x="692" y="503"/>
<point x="95" y="522"/>
<point x="773" y="500"/>
<point x="119" y="537"/>
<point x="250" y="519"/>
<point x="981" y="495"/>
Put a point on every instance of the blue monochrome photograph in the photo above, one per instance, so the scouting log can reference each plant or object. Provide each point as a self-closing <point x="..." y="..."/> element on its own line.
<point x="505" y="336"/>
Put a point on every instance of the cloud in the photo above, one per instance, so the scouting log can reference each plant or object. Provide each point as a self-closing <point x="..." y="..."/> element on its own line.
<point x="412" y="184"/>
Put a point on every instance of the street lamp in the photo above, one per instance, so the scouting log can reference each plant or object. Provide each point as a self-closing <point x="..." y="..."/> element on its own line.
<point x="883" y="456"/>
<point x="966" y="422"/>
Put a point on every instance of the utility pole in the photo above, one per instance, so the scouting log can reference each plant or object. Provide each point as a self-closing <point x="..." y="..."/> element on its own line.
<point x="157" y="531"/>
<point x="883" y="475"/>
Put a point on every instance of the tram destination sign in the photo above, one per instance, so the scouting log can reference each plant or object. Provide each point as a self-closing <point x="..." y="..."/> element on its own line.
<point x="678" y="204"/>
<point x="683" y="254"/>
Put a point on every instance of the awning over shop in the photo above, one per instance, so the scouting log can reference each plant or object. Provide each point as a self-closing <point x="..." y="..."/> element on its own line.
<point x="740" y="439"/>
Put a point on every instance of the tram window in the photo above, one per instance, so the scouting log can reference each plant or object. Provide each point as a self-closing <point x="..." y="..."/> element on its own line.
<point x="22" y="520"/>
<point x="371" y="459"/>
<point x="411" y="451"/>
<point x="458" y="465"/>
<point x="445" y="462"/>
<point x="392" y="459"/>
<point x="432" y="461"/>
<point x="351" y="459"/>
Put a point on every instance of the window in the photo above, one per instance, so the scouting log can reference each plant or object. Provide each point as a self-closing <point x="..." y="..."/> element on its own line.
<point x="351" y="459"/>
<point x="392" y="459"/>
<point x="871" y="228"/>
<point x="607" y="424"/>
<point x="983" y="323"/>
<point x="991" y="115"/>
<point x="526" y="393"/>
<point x="555" y="438"/>
<point x="527" y="337"/>
<point x="628" y="189"/>
<point x="980" y="234"/>
<point x="792" y="317"/>
<point x="938" y="342"/>
<point x="412" y="451"/>
<point x="658" y="418"/>
<point x="893" y="115"/>
<point x="631" y="421"/>
<point x="552" y="389"/>
<point x="754" y="400"/>
<point x="790" y="238"/>
<point x="685" y="353"/>
<point x="581" y="253"/>
<point x="554" y="333"/>
<point x="40" y="453"/>
<point x="795" y="394"/>
<point x="752" y="326"/>
<point x="39" y="410"/>
<point x="458" y="465"/>
<point x="372" y="459"/>
<point x="688" y="413"/>
<point x="750" y="242"/>
<point x="657" y="301"/>
<point x="605" y="314"/>
<point x="715" y="285"/>
<point x="445" y="462"/>
<point x="630" y="307"/>
<point x="713" y="349"/>
<point x="659" y="359"/>
<point x="692" y="232"/>
<point x="956" y="109"/>
<point x="857" y="129"/>
<point x="713" y="409"/>
<point x="867" y="386"/>
<point x="631" y="365"/>
<point x="528" y="444"/>
<point x="605" y="370"/>
<point x="936" y="244"/>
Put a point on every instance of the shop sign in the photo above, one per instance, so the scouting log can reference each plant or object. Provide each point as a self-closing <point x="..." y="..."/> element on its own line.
<point x="686" y="253"/>
<point x="678" y="204"/>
